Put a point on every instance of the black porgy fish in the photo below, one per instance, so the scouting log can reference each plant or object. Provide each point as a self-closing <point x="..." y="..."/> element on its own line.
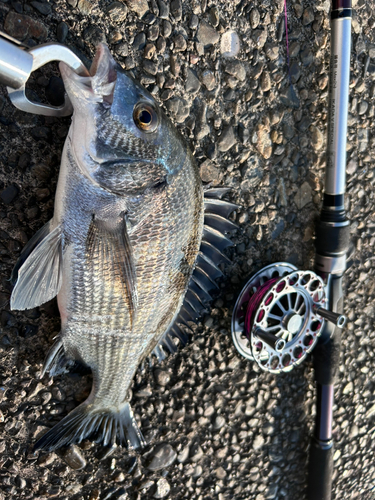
<point x="130" y="252"/>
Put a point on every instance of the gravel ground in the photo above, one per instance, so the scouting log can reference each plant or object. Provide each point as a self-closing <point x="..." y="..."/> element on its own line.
<point x="217" y="427"/>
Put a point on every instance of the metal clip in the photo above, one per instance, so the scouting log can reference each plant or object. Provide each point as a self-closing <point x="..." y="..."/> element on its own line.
<point x="17" y="64"/>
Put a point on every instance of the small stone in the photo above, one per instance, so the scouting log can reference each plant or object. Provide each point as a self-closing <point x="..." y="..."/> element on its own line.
<point x="362" y="108"/>
<point x="317" y="138"/>
<point x="176" y="9"/>
<point x="351" y="167"/>
<point x="303" y="195"/>
<point x="140" y="7"/>
<point x="153" y="33"/>
<point x="162" y="377"/>
<point x="20" y="482"/>
<point x="73" y="457"/>
<point x="9" y="194"/>
<point x="117" y="12"/>
<point x="272" y="51"/>
<point x="227" y="139"/>
<point x="219" y="422"/>
<point x="85" y="7"/>
<point x="207" y="35"/>
<point x="220" y="473"/>
<point x="213" y="16"/>
<point x="209" y="172"/>
<point x="162" y="488"/>
<point x="163" y="456"/>
<point x="163" y="9"/>
<point x="194" y="21"/>
<point x="260" y="38"/>
<point x="42" y="7"/>
<point x="150" y="67"/>
<point x="254" y="18"/>
<point x="179" y="43"/>
<point x="149" y="18"/>
<point x="114" y="36"/>
<point x="258" y="442"/>
<point x="161" y="44"/>
<point x="236" y="69"/>
<point x="94" y="35"/>
<point x="62" y="32"/>
<point x="139" y="41"/>
<point x="263" y="142"/>
<point x="294" y="49"/>
<point x="308" y="16"/>
<point x="22" y="27"/>
<point x="167" y="29"/>
<point x="265" y="81"/>
<point x="230" y="44"/>
<point x="208" y="79"/>
<point x="192" y="84"/>
<point x="348" y="389"/>
<point x="149" y="51"/>
<point x="196" y="453"/>
<point x="122" y="49"/>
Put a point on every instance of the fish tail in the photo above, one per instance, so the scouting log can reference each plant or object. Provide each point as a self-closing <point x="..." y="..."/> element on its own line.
<point x="103" y="425"/>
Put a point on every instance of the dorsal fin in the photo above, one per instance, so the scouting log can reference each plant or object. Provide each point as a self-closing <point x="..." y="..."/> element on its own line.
<point x="202" y="281"/>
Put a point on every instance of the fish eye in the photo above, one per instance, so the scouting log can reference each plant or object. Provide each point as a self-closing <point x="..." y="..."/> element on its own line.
<point x="145" y="117"/>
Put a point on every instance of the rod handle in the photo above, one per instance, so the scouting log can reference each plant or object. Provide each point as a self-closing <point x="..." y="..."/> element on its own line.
<point x="320" y="471"/>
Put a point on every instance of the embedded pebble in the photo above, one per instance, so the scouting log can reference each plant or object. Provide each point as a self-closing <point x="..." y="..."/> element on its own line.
<point x="207" y="35"/>
<point x="162" y="488"/>
<point x="140" y="7"/>
<point x="62" y="32"/>
<point x="162" y="377"/>
<point x="20" y="26"/>
<point x="192" y="84"/>
<point x="303" y="195"/>
<point x="9" y="194"/>
<point x="230" y="44"/>
<point x="117" y="12"/>
<point x="163" y="456"/>
<point x="73" y="457"/>
<point x="42" y="7"/>
<point x="227" y="139"/>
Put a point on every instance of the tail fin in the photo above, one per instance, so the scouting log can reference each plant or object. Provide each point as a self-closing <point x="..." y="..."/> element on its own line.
<point x="85" y="421"/>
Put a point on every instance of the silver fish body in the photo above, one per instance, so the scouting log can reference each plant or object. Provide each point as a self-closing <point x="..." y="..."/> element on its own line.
<point x="120" y="250"/>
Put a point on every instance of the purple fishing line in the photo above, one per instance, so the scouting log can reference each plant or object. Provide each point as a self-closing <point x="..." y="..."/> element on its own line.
<point x="254" y="303"/>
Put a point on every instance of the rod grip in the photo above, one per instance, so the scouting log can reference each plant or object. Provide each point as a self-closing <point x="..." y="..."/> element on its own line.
<point x="320" y="471"/>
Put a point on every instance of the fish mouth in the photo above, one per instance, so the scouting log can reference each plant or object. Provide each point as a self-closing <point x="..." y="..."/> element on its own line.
<point x="100" y="85"/>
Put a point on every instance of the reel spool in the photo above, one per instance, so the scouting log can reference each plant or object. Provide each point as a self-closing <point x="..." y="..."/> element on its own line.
<point x="279" y="315"/>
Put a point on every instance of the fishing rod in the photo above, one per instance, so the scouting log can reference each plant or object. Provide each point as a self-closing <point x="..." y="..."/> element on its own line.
<point x="283" y="313"/>
<point x="332" y="244"/>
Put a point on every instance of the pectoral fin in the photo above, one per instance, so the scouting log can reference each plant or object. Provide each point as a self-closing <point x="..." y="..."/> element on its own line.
<point x="112" y="248"/>
<point x="40" y="274"/>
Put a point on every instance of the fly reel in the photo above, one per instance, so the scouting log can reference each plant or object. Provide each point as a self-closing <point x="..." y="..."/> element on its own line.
<point x="279" y="315"/>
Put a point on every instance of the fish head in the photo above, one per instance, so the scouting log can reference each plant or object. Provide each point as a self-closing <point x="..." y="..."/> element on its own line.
<point x="120" y="138"/>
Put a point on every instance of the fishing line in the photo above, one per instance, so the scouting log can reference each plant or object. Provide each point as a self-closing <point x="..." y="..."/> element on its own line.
<point x="254" y="303"/>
